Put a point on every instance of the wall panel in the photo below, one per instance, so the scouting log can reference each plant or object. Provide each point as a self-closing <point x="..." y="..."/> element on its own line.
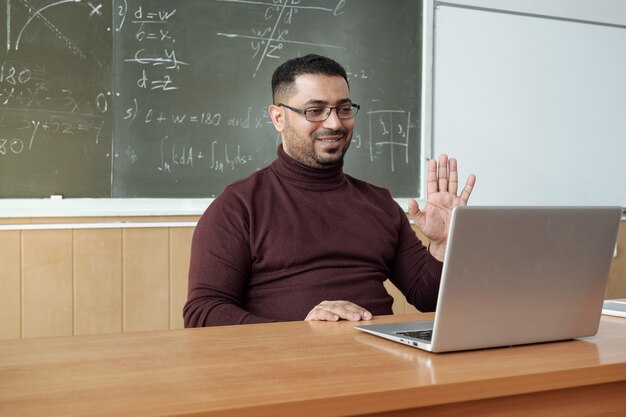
<point x="180" y="250"/>
<point x="47" y="294"/>
<point x="146" y="281"/>
<point x="98" y="281"/>
<point x="10" y="285"/>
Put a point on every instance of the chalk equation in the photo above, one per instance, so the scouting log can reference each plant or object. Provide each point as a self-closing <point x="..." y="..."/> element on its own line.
<point x="250" y="119"/>
<point x="389" y="134"/>
<point x="213" y="156"/>
<point x="277" y="28"/>
<point x="25" y="86"/>
<point x="156" y="54"/>
<point x="176" y="155"/>
<point x="39" y="112"/>
<point x="48" y="130"/>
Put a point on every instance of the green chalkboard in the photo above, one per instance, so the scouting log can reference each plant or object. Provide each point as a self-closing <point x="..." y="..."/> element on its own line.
<point x="174" y="93"/>
<point x="55" y="108"/>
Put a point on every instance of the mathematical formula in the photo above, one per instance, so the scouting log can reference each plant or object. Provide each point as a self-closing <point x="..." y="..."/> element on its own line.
<point x="217" y="157"/>
<point x="46" y="130"/>
<point x="155" y="37"/>
<point x="276" y="30"/>
<point x="137" y="112"/>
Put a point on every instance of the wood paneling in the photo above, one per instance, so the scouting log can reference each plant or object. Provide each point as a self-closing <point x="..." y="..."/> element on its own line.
<point x="399" y="302"/>
<point x="85" y="281"/>
<point x="180" y="250"/>
<point x="98" y="281"/>
<point x="10" y="285"/>
<point x="93" y="281"/>
<point x="146" y="279"/>
<point x="617" y="284"/>
<point x="47" y="293"/>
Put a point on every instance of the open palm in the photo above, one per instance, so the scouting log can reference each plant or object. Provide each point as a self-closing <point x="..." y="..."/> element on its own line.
<point x="442" y="188"/>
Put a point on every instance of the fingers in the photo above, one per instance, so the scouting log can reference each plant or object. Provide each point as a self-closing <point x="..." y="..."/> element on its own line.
<point x="467" y="190"/>
<point x="414" y="208"/>
<point x="443" y="176"/>
<point x="453" y="182"/>
<point x="443" y="172"/>
<point x="336" y="310"/>
<point x="431" y="179"/>
<point x="415" y="213"/>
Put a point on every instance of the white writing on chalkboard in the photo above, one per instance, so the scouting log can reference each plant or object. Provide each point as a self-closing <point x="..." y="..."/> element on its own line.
<point x="150" y="115"/>
<point x="389" y="129"/>
<point x="55" y="100"/>
<point x="10" y="75"/>
<point x="43" y="129"/>
<point x="218" y="159"/>
<point x="267" y="41"/>
<point x="36" y="15"/>
<point x="152" y="27"/>
<point x="43" y="113"/>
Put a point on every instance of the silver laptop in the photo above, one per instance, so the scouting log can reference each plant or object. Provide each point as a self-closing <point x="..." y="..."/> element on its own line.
<point x="517" y="275"/>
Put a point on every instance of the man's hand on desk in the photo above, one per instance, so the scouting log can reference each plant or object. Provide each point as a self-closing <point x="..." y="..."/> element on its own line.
<point x="336" y="310"/>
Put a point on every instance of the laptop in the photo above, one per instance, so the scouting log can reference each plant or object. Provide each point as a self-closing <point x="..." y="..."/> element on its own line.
<point x="517" y="275"/>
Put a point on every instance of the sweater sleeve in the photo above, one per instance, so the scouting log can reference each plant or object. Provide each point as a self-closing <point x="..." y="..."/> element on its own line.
<point x="219" y="268"/>
<point x="415" y="272"/>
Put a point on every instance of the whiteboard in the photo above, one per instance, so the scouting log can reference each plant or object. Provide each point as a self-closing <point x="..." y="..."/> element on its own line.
<point x="610" y="12"/>
<point x="535" y="107"/>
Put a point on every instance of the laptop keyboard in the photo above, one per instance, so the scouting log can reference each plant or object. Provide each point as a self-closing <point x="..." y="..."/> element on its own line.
<point x="418" y="334"/>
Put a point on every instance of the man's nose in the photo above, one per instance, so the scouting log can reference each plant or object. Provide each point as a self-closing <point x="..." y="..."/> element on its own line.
<point x="333" y="120"/>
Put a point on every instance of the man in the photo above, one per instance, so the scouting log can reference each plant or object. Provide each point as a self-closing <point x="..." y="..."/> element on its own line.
<point x="301" y="239"/>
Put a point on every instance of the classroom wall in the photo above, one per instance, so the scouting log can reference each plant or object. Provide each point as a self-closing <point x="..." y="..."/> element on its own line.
<point x="92" y="281"/>
<point x="85" y="281"/>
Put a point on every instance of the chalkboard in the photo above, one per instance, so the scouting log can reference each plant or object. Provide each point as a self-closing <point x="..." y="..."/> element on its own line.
<point x="55" y="112"/>
<point x="172" y="95"/>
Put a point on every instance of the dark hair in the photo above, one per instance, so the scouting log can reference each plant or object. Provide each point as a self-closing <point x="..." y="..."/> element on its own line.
<point x="285" y="75"/>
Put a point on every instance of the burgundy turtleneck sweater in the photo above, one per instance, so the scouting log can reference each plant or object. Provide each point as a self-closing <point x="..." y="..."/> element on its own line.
<point x="274" y="245"/>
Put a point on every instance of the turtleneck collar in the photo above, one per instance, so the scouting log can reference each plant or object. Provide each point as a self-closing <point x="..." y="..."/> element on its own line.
<point x="303" y="176"/>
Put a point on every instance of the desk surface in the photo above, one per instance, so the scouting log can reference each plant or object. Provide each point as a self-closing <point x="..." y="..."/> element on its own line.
<point x="296" y="368"/>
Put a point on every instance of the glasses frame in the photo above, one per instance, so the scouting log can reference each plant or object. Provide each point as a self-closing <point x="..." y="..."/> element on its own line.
<point x="329" y="108"/>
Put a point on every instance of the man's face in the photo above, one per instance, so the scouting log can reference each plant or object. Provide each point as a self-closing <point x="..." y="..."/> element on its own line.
<point x="315" y="144"/>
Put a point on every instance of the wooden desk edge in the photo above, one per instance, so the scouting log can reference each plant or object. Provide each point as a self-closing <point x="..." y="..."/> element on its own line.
<point x="604" y="380"/>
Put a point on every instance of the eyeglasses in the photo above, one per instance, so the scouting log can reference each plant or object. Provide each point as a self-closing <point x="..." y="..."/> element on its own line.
<point x="319" y="114"/>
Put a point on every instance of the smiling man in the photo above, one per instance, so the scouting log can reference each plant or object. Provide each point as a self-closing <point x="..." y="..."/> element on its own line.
<point x="303" y="139"/>
<point x="302" y="240"/>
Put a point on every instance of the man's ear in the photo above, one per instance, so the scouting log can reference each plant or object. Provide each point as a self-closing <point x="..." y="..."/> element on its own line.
<point x="278" y="117"/>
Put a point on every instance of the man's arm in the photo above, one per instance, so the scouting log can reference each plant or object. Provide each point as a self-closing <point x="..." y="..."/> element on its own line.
<point x="219" y="269"/>
<point x="415" y="272"/>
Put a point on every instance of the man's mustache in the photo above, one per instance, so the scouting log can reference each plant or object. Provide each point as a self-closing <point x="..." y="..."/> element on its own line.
<point x="330" y="132"/>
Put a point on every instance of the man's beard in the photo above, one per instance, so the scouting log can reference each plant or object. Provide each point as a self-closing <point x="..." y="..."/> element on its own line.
<point x="304" y="149"/>
<point x="329" y="132"/>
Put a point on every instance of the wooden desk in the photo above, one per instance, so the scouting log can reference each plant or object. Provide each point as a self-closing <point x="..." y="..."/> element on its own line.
<point x="307" y="369"/>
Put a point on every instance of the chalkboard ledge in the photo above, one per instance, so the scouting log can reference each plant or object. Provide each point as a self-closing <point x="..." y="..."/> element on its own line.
<point x="99" y="207"/>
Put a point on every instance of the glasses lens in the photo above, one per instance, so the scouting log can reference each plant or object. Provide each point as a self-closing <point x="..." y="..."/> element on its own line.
<point x="319" y="114"/>
<point x="347" y="112"/>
